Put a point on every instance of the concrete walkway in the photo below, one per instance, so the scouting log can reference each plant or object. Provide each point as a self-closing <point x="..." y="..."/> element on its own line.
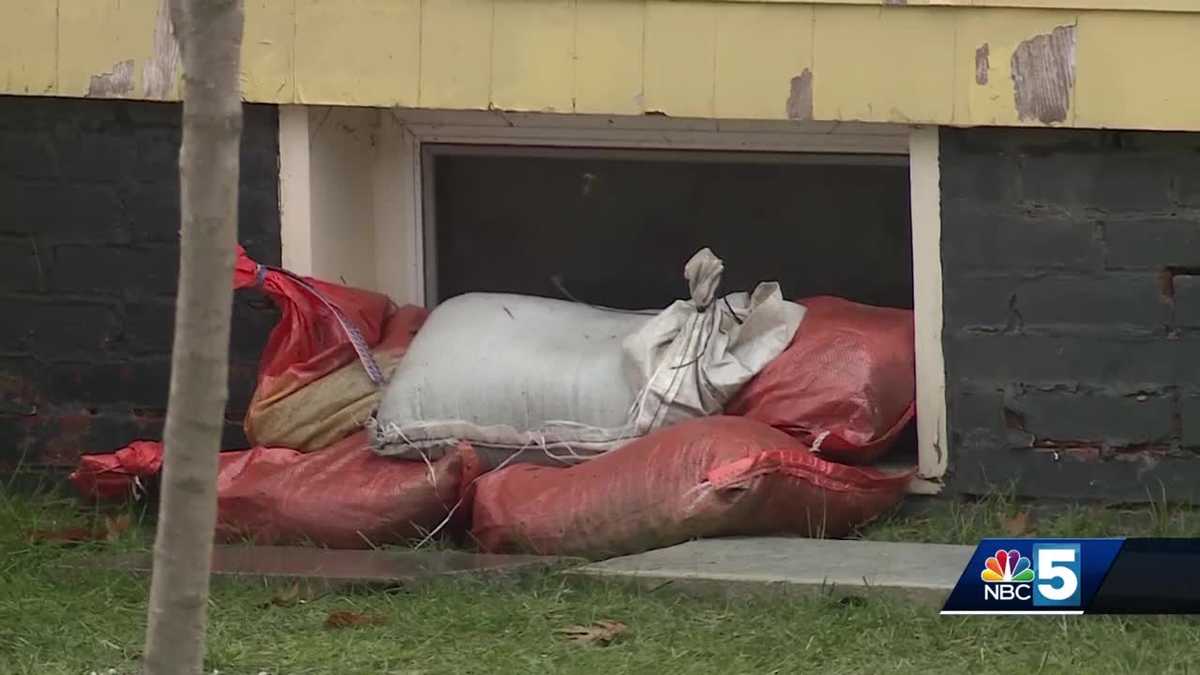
<point x="923" y="572"/>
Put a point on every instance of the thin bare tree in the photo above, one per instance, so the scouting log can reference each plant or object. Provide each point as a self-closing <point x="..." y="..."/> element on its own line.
<point x="209" y="33"/>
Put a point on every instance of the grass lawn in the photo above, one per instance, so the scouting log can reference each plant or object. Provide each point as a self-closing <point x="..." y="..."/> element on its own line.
<point x="59" y="620"/>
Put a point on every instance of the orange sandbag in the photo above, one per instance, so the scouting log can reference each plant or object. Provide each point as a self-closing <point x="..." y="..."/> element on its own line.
<point x="117" y="476"/>
<point x="345" y="496"/>
<point x="850" y="370"/>
<point x="709" y="477"/>
<point x="320" y="374"/>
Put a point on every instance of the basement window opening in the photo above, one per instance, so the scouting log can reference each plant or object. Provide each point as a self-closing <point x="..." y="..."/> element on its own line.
<point x="614" y="227"/>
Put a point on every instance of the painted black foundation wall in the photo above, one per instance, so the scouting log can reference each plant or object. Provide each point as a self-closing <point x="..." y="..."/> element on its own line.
<point x="89" y="253"/>
<point x="1071" y="275"/>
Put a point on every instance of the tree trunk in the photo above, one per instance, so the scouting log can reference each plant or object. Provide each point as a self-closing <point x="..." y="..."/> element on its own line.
<point x="210" y="38"/>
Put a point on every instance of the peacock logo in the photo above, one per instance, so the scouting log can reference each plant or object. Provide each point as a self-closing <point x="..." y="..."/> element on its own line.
<point x="1007" y="567"/>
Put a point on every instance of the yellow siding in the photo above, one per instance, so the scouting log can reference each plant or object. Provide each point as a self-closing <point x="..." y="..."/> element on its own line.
<point x="1141" y="76"/>
<point x="686" y="58"/>
<point x="609" y="56"/>
<point x="681" y="44"/>
<point x="269" y="44"/>
<point x="358" y="52"/>
<point x="1001" y="31"/>
<point x="1121" y="5"/>
<point x="25" y="66"/>
<point x="760" y="48"/>
<point x="456" y="53"/>
<point x="97" y="35"/>
<point x="890" y="64"/>
<point x="532" y="55"/>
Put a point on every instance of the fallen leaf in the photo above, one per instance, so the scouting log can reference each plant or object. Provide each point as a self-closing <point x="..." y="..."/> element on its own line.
<point x="115" y="527"/>
<point x="597" y="633"/>
<point x="351" y="619"/>
<point x="1017" y="525"/>
<point x="284" y="598"/>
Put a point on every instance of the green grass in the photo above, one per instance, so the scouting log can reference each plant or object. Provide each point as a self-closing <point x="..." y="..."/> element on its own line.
<point x="947" y="521"/>
<point x="54" y="619"/>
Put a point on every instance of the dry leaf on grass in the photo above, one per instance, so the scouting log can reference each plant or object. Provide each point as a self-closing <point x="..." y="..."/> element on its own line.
<point x="1016" y="526"/>
<point x="597" y="633"/>
<point x="109" y="530"/>
<point x="351" y="619"/>
<point x="115" y="527"/>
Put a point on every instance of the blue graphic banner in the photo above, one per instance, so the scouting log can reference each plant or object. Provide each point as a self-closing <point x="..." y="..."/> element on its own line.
<point x="1033" y="576"/>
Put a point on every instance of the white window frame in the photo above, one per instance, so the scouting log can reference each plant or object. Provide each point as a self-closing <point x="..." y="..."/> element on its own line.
<point x="352" y="193"/>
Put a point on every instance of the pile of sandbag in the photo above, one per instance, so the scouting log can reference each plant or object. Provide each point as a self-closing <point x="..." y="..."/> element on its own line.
<point x="312" y="477"/>
<point x="545" y="426"/>
<point x="513" y="373"/>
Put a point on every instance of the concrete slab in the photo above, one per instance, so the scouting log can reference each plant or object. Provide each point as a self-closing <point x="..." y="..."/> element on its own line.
<point x="923" y="572"/>
<point x="338" y="567"/>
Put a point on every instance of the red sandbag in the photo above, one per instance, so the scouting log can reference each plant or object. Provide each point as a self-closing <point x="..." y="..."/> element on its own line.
<point x="116" y="476"/>
<point x="850" y="370"/>
<point x="345" y="496"/>
<point x="709" y="477"/>
<point x="315" y="385"/>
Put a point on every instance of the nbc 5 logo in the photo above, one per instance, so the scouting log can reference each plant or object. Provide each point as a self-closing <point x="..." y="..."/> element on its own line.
<point x="1050" y="579"/>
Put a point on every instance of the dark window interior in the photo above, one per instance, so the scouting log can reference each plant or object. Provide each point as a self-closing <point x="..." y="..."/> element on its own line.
<point x="615" y="227"/>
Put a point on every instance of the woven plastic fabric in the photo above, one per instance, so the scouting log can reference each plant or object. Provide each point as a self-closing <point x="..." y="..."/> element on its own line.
<point x="709" y="477"/>
<point x="849" y="374"/>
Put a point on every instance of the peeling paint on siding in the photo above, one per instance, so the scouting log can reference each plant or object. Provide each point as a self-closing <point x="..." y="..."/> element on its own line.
<point x="1043" y="72"/>
<point x="800" y="98"/>
<point x="158" y="75"/>
<point x="981" y="64"/>
<point x="118" y="82"/>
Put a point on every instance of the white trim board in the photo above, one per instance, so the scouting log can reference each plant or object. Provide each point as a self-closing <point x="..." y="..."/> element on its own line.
<point x="651" y="132"/>
<point x="349" y="156"/>
<point x="924" y="179"/>
<point x="295" y="205"/>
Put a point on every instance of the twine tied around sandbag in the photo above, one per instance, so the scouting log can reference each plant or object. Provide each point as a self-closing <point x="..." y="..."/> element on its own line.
<point x="369" y="364"/>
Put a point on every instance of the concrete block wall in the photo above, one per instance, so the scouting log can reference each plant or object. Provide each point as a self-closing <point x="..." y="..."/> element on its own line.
<point x="1071" y="280"/>
<point x="89" y="250"/>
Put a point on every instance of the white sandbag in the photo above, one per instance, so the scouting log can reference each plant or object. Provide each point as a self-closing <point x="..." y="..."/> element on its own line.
<point x="499" y="369"/>
<point x="536" y="375"/>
